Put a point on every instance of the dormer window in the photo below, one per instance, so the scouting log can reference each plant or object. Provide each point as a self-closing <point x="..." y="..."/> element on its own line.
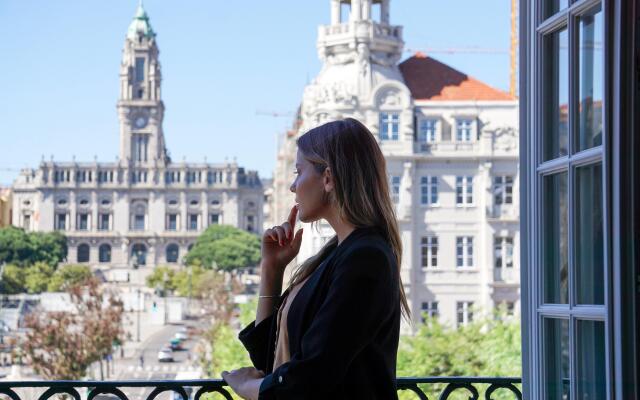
<point x="464" y="129"/>
<point x="427" y="129"/>
<point x="389" y="125"/>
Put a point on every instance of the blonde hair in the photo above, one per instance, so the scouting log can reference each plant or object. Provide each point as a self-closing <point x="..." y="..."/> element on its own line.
<point x="361" y="190"/>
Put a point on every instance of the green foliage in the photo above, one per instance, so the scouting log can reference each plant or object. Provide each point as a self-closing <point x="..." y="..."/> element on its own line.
<point x="68" y="275"/>
<point x="248" y="311"/>
<point x="489" y="347"/>
<point x="37" y="277"/>
<point x="41" y="277"/>
<point x="13" y="278"/>
<point x="162" y="277"/>
<point x="26" y="248"/>
<point x="225" y="247"/>
<point x="186" y="285"/>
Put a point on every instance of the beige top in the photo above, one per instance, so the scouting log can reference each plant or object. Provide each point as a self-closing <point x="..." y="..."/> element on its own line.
<point x="282" y="335"/>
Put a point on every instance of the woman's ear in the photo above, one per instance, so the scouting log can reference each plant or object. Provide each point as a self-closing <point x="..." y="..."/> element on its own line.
<point x="327" y="180"/>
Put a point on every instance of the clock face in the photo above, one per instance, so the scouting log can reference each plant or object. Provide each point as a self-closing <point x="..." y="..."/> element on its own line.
<point x="140" y="122"/>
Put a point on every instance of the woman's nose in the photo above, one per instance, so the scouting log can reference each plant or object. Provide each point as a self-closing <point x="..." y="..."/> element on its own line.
<point x="292" y="188"/>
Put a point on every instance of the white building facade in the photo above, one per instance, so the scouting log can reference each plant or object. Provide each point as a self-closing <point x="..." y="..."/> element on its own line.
<point x="144" y="209"/>
<point x="451" y="146"/>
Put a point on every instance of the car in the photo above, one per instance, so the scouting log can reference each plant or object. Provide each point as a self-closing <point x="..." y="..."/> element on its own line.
<point x="174" y="344"/>
<point x="165" y="355"/>
<point x="181" y="335"/>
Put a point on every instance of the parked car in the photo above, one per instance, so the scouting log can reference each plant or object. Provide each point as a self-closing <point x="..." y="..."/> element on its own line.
<point x="174" y="344"/>
<point x="165" y="355"/>
<point x="181" y="335"/>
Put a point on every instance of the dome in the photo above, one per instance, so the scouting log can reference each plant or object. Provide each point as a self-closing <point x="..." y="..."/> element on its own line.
<point x="140" y="25"/>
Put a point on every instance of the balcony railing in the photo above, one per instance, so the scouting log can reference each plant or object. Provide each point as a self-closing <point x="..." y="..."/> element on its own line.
<point x="473" y="387"/>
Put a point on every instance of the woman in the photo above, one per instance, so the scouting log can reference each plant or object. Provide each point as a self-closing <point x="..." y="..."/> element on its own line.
<point x="333" y="334"/>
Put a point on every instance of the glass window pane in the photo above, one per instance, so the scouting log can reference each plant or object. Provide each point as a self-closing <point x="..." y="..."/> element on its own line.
<point x="555" y="239"/>
<point x="591" y="364"/>
<point x="556" y="358"/>
<point x="591" y="73"/>
<point x="589" y="235"/>
<point x="553" y="6"/>
<point x="555" y="93"/>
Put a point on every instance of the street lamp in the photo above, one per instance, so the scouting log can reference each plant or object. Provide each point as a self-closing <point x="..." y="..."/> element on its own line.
<point x="138" y="334"/>
<point x="189" y="273"/>
<point x="165" y="279"/>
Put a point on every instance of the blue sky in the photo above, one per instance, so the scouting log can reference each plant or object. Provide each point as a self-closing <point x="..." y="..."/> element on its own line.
<point x="221" y="61"/>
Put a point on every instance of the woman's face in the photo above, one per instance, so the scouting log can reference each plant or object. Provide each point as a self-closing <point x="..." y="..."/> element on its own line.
<point x="309" y="187"/>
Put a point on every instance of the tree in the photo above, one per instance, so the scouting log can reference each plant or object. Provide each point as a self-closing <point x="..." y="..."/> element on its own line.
<point x="226" y="247"/>
<point x="487" y="347"/>
<point x="23" y="249"/>
<point x="62" y="345"/>
<point x="162" y="277"/>
<point x="222" y="349"/>
<point x="12" y="281"/>
<point x="37" y="277"/>
<point x="68" y="275"/>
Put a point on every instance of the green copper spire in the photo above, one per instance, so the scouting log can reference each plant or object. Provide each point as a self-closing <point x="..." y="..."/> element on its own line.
<point x="140" y="25"/>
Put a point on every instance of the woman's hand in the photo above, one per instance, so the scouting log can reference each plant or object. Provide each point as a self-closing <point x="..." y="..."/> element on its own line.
<point x="280" y="245"/>
<point x="244" y="381"/>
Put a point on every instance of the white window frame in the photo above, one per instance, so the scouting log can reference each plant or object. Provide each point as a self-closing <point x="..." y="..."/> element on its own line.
<point x="430" y="308"/>
<point x="464" y="190"/>
<point x="388" y="121"/>
<point x="429" y="195"/>
<point x="503" y="190"/>
<point x="464" y="252"/>
<point x="464" y="309"/>
<point x="428" y="244"/>
<point x="469" y="134"/>
<point x="503" y="245"/>
<point x="428" y="129"/>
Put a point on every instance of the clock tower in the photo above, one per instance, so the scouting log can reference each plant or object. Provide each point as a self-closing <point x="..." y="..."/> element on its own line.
<point x="140" y="107"/>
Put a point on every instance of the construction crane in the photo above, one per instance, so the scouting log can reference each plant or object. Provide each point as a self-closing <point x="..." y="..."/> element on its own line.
<point x="275" y="114"/>
<point x="513" y="50"/>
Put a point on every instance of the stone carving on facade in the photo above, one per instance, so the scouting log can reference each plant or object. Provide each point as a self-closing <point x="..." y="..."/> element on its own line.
<point x="389" y="98"/>
<point x="406" y="184"/>
<point x="505" y="138"/>
<point x="337" y="93"/>
<point x="364" y="59"/>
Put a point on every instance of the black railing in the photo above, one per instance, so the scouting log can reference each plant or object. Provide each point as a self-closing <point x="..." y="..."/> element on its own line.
<point x="194" y="389"/>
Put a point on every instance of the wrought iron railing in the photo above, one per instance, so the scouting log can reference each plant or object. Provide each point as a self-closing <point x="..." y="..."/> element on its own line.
<point x="194" y="389"/>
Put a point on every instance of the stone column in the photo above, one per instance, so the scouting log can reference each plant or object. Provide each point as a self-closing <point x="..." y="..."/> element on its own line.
<point x="384" y="12"/>
<point x="356" y="10"/>
<point x="336" y="15"/>
<point x="366" y="9"/>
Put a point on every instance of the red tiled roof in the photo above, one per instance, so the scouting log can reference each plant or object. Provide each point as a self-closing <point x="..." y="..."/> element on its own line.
<point x="429" y="79"/>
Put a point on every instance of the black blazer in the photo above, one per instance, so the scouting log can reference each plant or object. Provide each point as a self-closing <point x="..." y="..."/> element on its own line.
<point x="343" y="325"/>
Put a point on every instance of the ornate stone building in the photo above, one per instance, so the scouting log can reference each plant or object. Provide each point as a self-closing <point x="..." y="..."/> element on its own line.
<point x="451" y="146"/>
<point x="144" y="209"/>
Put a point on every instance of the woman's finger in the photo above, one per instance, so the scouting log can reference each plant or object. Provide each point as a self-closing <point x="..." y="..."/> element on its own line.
<point x="281" y="235"/>
<point x="270" y="233"/>
<point x="287" y="230"/>
<point x="292" y="215"/>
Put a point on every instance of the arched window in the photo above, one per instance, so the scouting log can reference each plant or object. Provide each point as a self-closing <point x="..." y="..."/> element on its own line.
<point x="139" y="254"/>
<point x="172" y="253"/>
<point x="83" y="253"/>
<point x="104" y="253"/>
